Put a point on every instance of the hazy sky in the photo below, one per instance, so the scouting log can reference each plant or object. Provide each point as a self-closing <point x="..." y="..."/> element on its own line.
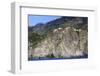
<point x="33" y="19"/>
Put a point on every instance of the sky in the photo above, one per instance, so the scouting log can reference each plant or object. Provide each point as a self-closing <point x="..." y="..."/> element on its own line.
<point x="33" y="19"/>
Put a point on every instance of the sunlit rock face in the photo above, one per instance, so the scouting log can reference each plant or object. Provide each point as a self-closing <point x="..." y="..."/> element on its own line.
<point x="62" y="43"/>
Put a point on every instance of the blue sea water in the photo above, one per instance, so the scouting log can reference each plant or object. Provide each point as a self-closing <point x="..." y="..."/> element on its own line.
<point x="47" y="58"/>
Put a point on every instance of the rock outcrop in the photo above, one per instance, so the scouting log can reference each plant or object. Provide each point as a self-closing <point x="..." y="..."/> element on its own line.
<point x="62" y="43"/>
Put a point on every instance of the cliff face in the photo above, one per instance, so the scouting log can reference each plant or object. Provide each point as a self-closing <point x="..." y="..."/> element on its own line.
<point x="63" y="42"/>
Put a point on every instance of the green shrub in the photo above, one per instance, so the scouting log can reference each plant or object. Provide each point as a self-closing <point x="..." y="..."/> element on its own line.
<point x="35" y="38"/>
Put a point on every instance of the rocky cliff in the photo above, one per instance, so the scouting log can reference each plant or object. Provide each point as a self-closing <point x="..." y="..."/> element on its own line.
<point x="70" y="39"/>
